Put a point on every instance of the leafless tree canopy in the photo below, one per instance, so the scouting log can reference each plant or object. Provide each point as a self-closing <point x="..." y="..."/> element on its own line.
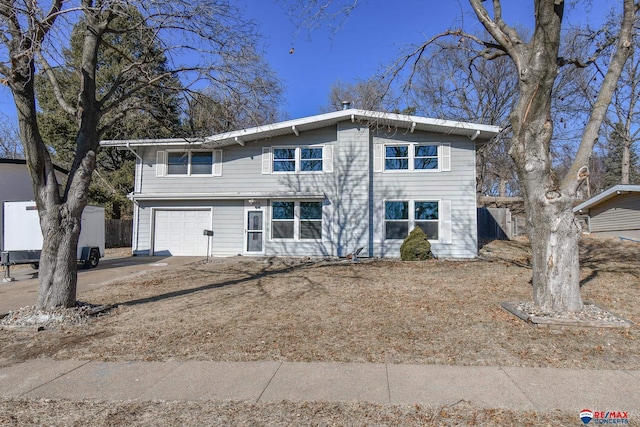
<point x="205" y="42"/>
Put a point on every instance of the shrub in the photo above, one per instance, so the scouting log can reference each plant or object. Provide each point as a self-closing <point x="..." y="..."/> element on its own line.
<point x="416" y="246"/>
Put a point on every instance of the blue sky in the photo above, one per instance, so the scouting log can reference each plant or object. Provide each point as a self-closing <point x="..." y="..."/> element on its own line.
<point x="373" y="36"/>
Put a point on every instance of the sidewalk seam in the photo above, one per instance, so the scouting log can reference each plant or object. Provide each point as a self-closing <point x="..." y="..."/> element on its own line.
<point x="521" y="390"/>
<point x="386" y="370"/>
<point x="56" y="378"/>
<point x="269" y="383"/>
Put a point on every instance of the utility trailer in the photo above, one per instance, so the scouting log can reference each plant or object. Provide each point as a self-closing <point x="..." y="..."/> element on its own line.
<point x="21" y="236"/>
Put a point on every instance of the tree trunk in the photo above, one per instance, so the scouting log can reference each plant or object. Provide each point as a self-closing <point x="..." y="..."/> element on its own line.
<point x="554" y="240"/>
<point x="58" y="259"/>
<point x="626" y="159"/>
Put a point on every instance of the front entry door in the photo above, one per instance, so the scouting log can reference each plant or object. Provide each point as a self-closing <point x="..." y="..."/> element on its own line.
<point x="254" y="235"/>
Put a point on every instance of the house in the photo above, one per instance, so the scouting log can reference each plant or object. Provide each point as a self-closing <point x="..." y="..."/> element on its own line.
<point x="323" y="185"/>
<point x="614" y="212"/>
<point x="16" y="185"/>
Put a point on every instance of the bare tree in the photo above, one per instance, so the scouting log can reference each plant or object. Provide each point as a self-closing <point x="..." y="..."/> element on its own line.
<point x="203" y="40"/>
<point x="370" y="94"/>
<point x="452" y="82"/>
<point x="10" y="147"/>
<point x="549" y="198"/>
<point x="536" y="60"/>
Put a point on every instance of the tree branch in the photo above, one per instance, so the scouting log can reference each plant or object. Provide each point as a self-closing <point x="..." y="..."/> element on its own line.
<point x="55" y="85"/>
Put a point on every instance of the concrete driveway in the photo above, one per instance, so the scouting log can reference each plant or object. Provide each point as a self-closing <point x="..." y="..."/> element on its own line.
<point x="23" y="290"/>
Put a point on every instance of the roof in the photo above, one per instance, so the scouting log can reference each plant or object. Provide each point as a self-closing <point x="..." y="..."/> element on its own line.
<point x="472" y="130"/>
<point x="24" y="162"/>
<point x="606" y="195"/>
<point x="227" y="196"/>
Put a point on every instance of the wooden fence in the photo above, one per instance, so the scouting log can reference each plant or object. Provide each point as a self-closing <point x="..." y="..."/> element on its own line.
<point x="118" y="232"/>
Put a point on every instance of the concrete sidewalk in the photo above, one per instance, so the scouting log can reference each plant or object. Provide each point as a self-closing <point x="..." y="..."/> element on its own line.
<point x="522" y="389"/>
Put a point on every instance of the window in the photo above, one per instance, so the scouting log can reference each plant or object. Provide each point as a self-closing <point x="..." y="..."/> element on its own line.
<point x="403" y="216"/>
<point x="284" y="159"/>
<point x="310" y="220"/>
<point x="311" y="159"/>
<point x="425" y="157"/>
<point x="282" y="220"/>
<point x="296" y="220"/>
<point x="396" y="157"/>
<point x="178" y="163"/>
<point x="413" y="157"/>
<point x="426" y="217"/>
<point x="396" y="224"/>
<point x="297" y="159"/>
<point x="191" y="163"/>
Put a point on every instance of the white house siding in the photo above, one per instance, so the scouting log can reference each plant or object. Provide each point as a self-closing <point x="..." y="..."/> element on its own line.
<point x="456" y="186"/>
<point x="617" y="217"/>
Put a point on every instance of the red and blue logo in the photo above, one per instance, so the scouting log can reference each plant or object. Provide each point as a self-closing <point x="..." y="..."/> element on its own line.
<point x="586" y="416"/>
<point x="604" y="417"/>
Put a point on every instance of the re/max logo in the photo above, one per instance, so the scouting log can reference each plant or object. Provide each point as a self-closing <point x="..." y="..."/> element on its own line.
<point x="615" y="414"/>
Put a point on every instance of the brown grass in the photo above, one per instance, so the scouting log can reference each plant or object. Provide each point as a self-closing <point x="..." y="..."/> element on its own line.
<point x="431" y="312"/>
<point x="440" y="312"/>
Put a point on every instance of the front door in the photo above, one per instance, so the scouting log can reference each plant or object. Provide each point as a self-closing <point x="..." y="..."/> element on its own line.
<point x="254" y="234"/>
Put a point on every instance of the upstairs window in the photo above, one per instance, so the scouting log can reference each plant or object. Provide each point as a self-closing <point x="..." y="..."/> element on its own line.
<point x="311" y="159"/>
<point x="284" y="159"/>
<point x="297" y="159"/>
<point x="396" y="157"/>
<point x="425" y="157"/>
<point x="189" y="163"/>
<point x="412" y="157"/>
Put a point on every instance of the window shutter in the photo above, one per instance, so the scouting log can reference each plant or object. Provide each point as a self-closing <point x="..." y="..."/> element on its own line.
<point x="445" y="154"/>
<point x="327" y="158"/>
<point x="377" y="157"/>
<point x="445" y="222"/>
<point x="217" y="162"/>
<point x="327" y="220"/>
<point x="266" y="160"/>
<point x="160" y="164"/>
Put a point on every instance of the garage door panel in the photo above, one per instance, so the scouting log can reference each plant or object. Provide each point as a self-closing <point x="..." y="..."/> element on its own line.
<point x="179" y="232"/>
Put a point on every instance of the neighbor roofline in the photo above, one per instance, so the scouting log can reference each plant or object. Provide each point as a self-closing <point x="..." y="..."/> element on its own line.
<point x="606" y="195"/>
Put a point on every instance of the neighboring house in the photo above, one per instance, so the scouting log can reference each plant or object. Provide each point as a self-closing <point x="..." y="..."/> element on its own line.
<point x="614" y="212"/>
<point x="323" y="185"/>
<point x="15" y="185"/>
<point x="16" y="182"/>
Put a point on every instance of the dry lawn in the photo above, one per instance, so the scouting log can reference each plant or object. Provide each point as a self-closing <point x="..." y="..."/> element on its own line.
<point x="434" y="312"/>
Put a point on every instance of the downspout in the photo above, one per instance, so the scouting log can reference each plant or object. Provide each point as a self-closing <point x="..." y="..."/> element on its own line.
<point x="137" y="183"/>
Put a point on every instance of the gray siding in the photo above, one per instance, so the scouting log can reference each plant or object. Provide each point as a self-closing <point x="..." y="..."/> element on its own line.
<point x="456" y="186"/>
<point x="353" y="212"/>
<point x="618" y="214"/>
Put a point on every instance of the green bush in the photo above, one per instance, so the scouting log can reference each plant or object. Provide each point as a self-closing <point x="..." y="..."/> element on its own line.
<point x="416" y="246"/>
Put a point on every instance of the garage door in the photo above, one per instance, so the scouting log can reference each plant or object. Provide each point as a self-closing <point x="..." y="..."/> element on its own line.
<point x="179" y="232"/>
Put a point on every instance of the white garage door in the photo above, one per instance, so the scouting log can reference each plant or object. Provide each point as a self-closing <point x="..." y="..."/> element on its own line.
<point x="179" y="232"/>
